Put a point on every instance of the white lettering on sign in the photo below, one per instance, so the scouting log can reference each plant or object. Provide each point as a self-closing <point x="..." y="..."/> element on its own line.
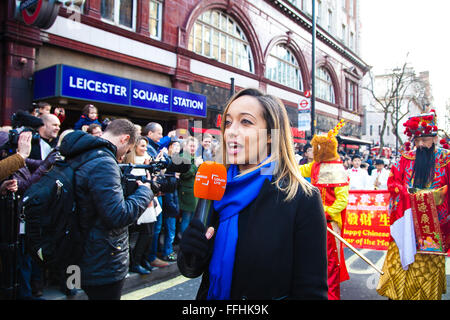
<point x="217" y="180"/>
<point x="150" y="96"/>
<point x="97" y="86"/>
<point x="188" y="103"/>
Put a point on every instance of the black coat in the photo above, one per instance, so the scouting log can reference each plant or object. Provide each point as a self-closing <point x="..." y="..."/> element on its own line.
<point x="281" y="249"/>
<point x="104" y="212"/>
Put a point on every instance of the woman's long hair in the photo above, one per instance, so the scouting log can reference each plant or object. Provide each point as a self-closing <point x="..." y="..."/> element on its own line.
<point x="287" y="173"/>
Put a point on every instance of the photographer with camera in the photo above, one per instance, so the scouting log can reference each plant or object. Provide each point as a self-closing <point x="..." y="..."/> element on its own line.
<point x="165" y="170"/>
<point x="18" y="146"/>
<point x="30" y="276"/>
<point x="105" y="212"/>
<point x="24" y="126"/>
<point x="45" y="129"/>
<point x="16" y="161"/>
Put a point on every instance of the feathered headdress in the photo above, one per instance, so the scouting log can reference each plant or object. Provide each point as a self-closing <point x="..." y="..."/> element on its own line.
<point x="335" y="131"/>
<point x="422" y="125"/>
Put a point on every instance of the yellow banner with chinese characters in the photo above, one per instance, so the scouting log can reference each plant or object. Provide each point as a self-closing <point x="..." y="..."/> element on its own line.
<point x="366" y="222"/>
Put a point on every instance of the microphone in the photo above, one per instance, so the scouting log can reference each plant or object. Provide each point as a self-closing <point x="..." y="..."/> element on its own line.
<point x="210" y="183"/>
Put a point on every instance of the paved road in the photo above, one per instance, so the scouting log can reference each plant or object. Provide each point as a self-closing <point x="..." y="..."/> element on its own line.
<point x="361" y="286"/>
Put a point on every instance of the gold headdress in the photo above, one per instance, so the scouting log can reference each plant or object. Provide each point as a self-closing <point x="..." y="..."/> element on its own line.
<point x="325" y="146"/>
<point x="335" y="131"/>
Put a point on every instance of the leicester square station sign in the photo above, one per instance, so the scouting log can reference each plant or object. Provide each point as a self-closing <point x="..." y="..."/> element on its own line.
<point x="71" y="82"/>
<point x="38" y="13"/>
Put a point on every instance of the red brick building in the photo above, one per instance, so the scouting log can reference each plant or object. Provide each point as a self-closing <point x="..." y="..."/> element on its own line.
<point x="193" y="45"/>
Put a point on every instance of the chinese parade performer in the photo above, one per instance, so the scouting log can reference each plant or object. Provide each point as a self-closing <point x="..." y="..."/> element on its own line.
<point x="408" y="273"/>
<point x="328" y="174"/>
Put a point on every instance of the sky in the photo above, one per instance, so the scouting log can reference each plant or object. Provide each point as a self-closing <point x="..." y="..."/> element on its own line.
<point x="393" y="28"/>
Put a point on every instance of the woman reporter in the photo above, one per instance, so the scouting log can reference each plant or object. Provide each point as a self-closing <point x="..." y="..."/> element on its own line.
<point x="268" y="235"/>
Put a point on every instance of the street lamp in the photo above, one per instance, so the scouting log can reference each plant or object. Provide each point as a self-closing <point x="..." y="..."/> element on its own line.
<point x="396" y="123"/>
<point x="313" y="70"/>
<point x="232" y="89"/>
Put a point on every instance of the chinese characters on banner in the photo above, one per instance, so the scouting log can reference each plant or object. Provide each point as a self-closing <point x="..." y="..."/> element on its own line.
<point x="428" y="231"/>
<point x="366" y="223"/>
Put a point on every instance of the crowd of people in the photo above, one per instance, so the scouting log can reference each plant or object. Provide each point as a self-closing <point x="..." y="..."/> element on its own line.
<point x="366" y="170"/>
<point x="266" y="194"/>
<point x="153" y="235"/>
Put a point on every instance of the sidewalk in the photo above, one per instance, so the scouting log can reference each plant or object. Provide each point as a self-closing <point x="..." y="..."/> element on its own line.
<point x="133" y="281"/>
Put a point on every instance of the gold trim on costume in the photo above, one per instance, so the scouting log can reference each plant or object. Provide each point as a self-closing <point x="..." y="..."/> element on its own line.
<point x="410" y="155"/>
<point x="425" y="278"/>
<point x="332" y="173"/>
<point x="445" y="156"/>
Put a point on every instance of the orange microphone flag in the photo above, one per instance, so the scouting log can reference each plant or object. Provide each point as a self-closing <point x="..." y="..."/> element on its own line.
<point x="210" y="181"/>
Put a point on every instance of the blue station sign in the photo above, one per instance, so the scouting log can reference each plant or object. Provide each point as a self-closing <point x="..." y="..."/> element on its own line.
<point x="71" y="82"/>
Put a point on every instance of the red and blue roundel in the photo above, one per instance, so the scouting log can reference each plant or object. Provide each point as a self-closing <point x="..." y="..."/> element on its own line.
<point x="30" y="10"/>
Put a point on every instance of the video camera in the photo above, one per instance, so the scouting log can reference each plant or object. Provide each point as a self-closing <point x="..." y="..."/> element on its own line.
<point x="21" y="122"/>
<point x="166" y="182"/>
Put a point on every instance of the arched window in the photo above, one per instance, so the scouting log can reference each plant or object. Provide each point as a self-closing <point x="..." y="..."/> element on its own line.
<point x="324" y="84"/>
<point x="282" y="67"/>
<point x="216" y="35"/>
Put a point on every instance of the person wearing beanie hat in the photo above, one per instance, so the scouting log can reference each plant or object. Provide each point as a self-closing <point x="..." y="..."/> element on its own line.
<point x="328" y="174"/>
<point x="409" y="273"/>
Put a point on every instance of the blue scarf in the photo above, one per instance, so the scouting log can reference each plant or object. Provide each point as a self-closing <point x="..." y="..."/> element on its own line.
<point x="240" y="192"/>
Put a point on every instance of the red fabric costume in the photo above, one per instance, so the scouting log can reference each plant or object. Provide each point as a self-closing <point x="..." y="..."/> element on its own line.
<point x="329" y="175"/>
<point x="410" y="274"/>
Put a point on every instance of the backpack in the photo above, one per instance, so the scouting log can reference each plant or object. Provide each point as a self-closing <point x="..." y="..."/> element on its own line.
<point x="52" y="231"/>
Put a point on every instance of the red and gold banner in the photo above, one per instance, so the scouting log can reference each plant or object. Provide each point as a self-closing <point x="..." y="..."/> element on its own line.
<point x="366" y="222"/>
<point x="429" y="236"/>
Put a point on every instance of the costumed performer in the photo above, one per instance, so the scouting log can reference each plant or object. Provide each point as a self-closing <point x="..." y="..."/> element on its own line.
<point x="328" y="174"/>
<point x="409" y="275"/>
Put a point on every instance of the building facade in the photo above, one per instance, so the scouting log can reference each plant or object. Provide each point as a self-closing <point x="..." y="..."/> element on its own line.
<point x="446" y="120"/>
<point x="414" y="96"/>
<point x="200" y="50"/>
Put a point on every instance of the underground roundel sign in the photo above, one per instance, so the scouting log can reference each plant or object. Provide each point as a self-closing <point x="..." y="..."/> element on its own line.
<point x="304" y="105"/>
<point x="39" y="13"/>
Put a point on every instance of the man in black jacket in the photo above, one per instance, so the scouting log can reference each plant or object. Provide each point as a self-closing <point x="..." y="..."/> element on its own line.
<point x="105" y="213"/>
